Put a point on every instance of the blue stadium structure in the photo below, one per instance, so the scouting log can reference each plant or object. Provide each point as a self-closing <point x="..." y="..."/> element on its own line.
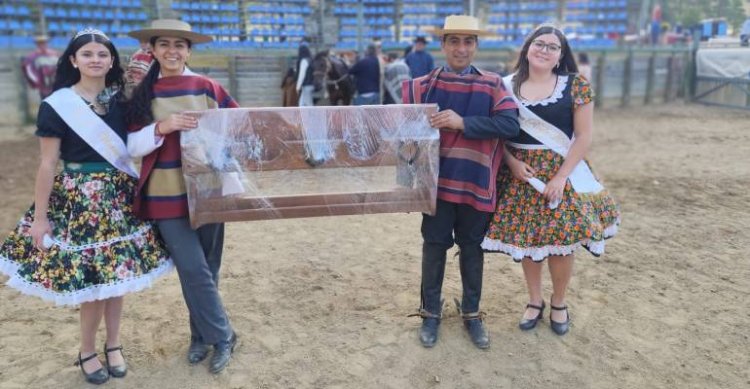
<point x="282" y="24"/>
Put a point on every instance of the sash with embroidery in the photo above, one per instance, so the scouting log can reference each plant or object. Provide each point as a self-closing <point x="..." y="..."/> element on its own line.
<point x="92" y="129"/>
<point x="581" y="178"/>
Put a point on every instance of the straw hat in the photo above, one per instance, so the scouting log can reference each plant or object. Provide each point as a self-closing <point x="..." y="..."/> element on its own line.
<point x="461" y="24"/>
<point x="171" y="28"/>
<point x="41" y="38"/>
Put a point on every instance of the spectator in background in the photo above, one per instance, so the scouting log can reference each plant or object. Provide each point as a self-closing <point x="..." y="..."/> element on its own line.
<point x="367" y="74"/>
<point x="288" y="89"/>
<point x="655" y="24"/>
<point x="584" y="66"/>
<point x="39" y="67"/>
<point x="407" y="50"/>
<point x="305" y="85"/>
<point x="396" y="72"/>
<point x="139" y="64"/>
<point x="745" y="33"/>
<point x="419" y="60"/>
<point x="382" y="61"/>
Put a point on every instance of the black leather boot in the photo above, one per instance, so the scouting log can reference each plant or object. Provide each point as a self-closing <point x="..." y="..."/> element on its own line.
<point x="471" y="263"/>
<point x="433" y="271"/>
<point x="475" y="327"/>
<point x="428" y="333"/>
<point x="198" y="351"/>
<point x="222" y="354"/>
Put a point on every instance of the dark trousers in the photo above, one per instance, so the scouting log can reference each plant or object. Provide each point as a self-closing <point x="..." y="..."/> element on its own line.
<point x="468" y="226"/>
<point x="197" y="257"/>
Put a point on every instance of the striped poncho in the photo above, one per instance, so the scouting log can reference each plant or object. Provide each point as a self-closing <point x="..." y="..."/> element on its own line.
<point x="161" y="187"/>
<point x="469" y="160"/>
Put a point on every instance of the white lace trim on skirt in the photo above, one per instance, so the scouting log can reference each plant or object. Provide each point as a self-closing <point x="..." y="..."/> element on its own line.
<point x="92" y="293"/>
<point x="538" y="254"/>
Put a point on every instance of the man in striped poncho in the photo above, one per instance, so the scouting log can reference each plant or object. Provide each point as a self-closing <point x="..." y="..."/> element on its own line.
<point x="476" y="114"/>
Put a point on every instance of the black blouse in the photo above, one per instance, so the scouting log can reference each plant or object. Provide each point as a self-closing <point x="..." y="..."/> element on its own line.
<point x="558" y="112"/>
<point x="72" y="147"/>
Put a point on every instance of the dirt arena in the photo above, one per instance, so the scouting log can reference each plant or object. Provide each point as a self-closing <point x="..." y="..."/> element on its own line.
<point x="322" y="303"/>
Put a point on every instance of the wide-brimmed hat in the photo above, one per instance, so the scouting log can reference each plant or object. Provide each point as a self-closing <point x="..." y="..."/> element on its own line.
<point x="172" y="28"/>
<point x="461" y="24"/>
<point x="41" y="38"/>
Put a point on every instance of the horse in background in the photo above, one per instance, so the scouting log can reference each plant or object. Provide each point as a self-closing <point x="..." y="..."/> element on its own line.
<point x="331" y="72"/>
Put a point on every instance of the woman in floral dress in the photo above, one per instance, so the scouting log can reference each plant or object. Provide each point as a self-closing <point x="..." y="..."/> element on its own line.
<point x="80" y="242"/>
<point x="573" y="210"/>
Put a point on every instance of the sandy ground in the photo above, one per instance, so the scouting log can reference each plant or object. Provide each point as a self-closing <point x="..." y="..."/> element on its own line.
<point x="322" y="303"/>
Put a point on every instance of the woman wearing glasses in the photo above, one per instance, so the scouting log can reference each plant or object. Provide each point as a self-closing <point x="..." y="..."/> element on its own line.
<point x="549" y="203"/>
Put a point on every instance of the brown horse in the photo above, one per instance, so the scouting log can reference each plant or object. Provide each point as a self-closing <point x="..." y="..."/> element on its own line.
<point x="332" y="72"/>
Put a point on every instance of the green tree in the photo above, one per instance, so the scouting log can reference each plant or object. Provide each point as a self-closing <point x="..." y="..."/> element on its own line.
<point x="691" y="12"/>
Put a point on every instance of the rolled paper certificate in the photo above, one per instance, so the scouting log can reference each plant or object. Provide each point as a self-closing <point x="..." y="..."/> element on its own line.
<point x="539" y="186"/>
<point x="47" y="241"/>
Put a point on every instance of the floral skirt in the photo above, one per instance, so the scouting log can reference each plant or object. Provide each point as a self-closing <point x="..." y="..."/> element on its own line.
<point x="101" y="249"/>
<point x="523" y="225"/>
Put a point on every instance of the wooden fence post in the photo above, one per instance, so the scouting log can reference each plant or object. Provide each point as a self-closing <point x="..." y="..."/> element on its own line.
<point x="22" y="90"/>
<point x="650" y="78"/>
<point x="626" y="77"/>
<point x="601" y="65"/>
<point x="689" y="83"/>
<point x="669" y="81"/>
<point x="232" y="72"/>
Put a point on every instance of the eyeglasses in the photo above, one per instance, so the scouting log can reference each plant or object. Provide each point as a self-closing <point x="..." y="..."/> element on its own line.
<point x="551" y="47"/>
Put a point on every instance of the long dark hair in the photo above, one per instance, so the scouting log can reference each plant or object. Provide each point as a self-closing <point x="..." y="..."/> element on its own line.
<point x="567" y="62"/>
<point x="66" y="75"/>
<point x="304" y="52"/>
<point x="139" y="107"/>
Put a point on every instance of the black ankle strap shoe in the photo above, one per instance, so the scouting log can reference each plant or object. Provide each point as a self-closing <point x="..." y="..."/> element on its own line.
<point x="97" y="377"/>
<point x="115" y="371"/>
<point x="527" y="324"/>
<point x="557" y="327"/>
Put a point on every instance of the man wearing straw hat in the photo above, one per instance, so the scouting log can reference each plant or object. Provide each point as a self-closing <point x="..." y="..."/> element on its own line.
<point x="475" y="116"/>
<point x="156" y="114"/>
<point x="40" y="65"/>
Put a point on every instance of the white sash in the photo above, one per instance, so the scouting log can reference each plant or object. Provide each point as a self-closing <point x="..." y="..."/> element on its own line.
<point x="92" y="129"/>
<point x="581" y="178"/>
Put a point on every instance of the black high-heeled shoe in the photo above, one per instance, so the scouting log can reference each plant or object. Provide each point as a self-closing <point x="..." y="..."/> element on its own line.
<point x="98" y="377"/>
<point x="115" y="371"/>
<point x="557" y="327"/>
<point x="527" y="324"/>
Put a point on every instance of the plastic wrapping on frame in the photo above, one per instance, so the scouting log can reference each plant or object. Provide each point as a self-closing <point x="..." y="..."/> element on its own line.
<point x="270" y="163"/>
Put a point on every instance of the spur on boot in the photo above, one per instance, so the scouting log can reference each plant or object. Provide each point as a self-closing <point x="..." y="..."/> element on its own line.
<point x="527" y="324"/>
<point x="477" y="332"/>
<point x="558" y="327"/>
<point x="118" y="371"/>
<point x="97" y="377"/>
<point x="428" y="332"/>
